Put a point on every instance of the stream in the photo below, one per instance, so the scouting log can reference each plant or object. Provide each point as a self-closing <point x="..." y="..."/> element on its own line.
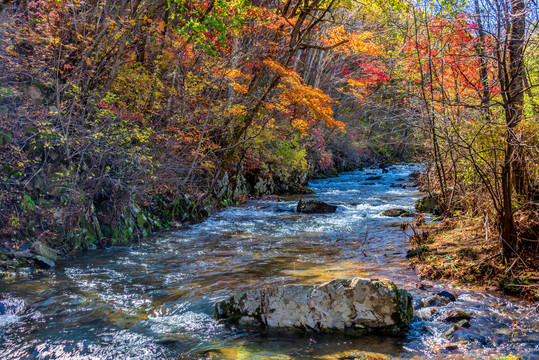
<point x="155" y="301"/>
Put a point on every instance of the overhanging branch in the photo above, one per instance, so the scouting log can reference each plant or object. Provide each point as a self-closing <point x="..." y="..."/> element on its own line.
<point x="309" y="46"/>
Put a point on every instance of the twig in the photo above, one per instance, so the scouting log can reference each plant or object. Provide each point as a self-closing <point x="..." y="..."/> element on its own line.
<point x="510" y="267"/>
<point x="489" y="258"/>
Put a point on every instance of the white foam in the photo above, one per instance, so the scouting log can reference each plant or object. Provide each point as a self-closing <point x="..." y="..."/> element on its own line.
<point x="6" y="320"/>
<point x="189" y="321"/>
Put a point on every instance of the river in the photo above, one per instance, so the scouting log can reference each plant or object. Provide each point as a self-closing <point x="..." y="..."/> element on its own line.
<point x="155" y="301"/>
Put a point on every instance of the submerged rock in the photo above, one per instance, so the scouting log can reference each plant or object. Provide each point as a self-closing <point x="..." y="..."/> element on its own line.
<point x="357" y="355"/>
<point x="452" y="329"/>
<point x="397" y="213"/>
<point x="455" y="345"/>
<point x="435" y="300"/>
<point x="447" y="295"/>
<point x="373" y="178"/>
<point x="426" y="313"/>
<point x="356" y="306"/>
<point x="315" y="206"/>
<point x="455" y="327"/>
<point x="44" y="262"/>
<point x="456" y="316"/>
<point x="243" y="352"/>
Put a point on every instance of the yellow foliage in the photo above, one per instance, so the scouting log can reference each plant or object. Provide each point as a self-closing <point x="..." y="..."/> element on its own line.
<point x="312" y="101"/>
<point x="268" y="106"/>
<point x="356" y="43"/>
<point x="244" y="89"/>
<point x="234" y="74"/>
<point x="237" y="110"/>
<point x="300" y="124"/>
<point x="356" y="88"/>
<point x="194" y="84"/>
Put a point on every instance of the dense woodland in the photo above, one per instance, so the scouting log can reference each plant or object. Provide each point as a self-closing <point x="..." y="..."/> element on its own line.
<point x="119" y="118"/>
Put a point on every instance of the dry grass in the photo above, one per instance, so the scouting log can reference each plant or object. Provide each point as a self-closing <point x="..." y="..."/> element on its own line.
<point x="459" y="251"/>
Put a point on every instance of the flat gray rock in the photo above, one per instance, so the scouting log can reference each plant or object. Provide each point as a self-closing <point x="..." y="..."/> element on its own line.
<point x="342" y="305"/>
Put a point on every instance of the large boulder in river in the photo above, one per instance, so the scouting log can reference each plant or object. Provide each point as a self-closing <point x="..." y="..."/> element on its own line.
<point x="397" y="212"/>
<point x="315" y="206"/>
<point x="342" y="305"/>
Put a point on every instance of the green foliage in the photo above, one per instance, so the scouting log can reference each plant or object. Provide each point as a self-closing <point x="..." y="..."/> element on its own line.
<point x="6" y="91"/>
<point x="28" y="204"/>
<point x="208" y="27"/>
<point x="508" y="357"/>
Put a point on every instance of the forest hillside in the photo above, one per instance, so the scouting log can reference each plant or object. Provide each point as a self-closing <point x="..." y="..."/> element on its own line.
<point x="120" y="118"/>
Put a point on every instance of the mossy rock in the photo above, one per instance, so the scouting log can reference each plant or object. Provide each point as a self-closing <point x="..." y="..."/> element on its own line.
<point x="428" y="204"/>
<point x="297" y="189"/>
<point x="417" y="252"/>
<point x="397" y="213"/>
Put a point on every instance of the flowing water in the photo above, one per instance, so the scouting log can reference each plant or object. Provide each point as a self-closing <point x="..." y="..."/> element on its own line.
<point x="156" y="301"/>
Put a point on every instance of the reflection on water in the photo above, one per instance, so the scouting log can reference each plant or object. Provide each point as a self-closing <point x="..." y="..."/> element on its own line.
<point x="155" y="301"/>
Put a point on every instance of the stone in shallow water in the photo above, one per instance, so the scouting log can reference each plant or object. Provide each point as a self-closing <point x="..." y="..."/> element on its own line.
<point x="456" y="316"/>
<point x="434" y="300"/>
<point x="44" y="262"/>
<point x="357" y="355"/>
<point x="447" y="295"/>
<point x="45" y="251"/>
<point x="315" y="206"/>
<point x="352" y="306"/>
<point x="425" y="313"/>
<point x="236" y="352"/>
<point x="397" y="213"/>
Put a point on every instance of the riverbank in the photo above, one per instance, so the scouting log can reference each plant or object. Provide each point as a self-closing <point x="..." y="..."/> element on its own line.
<point x="137" y="221"/>
<point x="459" y="251"/>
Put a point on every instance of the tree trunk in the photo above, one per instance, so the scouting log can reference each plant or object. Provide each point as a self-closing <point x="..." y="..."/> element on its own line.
<point x="516" y="92"/>
<point x="513" y="170"/>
